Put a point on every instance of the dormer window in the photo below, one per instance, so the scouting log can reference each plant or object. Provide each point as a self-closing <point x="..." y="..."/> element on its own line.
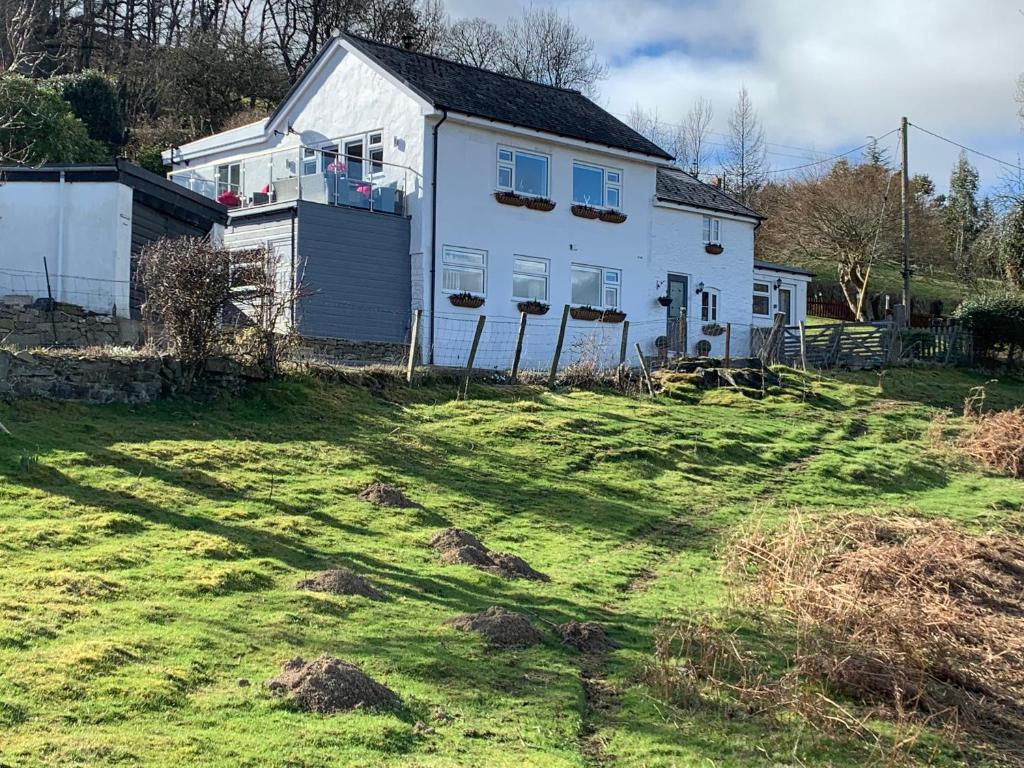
<point x="711" y="230"/>
<point x="525" y="173"/>
<point x="596" y="186"/>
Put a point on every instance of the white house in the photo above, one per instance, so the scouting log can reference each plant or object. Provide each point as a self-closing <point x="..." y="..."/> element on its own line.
<point x="392" y="180"/>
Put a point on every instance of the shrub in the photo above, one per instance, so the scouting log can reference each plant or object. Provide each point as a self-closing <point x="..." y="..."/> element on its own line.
<point x="149" y="157"/>
<point x="995" y="321"/>
<point x="93" y="98"/>
<point x="37" y="126"/>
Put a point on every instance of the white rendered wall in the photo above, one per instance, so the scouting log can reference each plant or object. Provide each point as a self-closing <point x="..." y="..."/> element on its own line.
<point x="797" y="283"/>
<point x="82" y="229"/>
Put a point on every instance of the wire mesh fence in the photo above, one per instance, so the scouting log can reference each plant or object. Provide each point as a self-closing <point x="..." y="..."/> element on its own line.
<point x="110" y="297"/>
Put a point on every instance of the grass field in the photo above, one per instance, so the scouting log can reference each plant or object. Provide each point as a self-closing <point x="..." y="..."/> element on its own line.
<point x="148" y="558"/>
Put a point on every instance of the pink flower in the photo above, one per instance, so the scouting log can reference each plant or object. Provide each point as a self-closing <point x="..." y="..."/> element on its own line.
<point x="364" y="190"/>
<point x="229" y="198"/>
<point x="337" y="166"/>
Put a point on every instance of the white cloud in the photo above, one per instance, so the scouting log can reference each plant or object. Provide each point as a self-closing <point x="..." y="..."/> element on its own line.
<point x="822" y="74"/>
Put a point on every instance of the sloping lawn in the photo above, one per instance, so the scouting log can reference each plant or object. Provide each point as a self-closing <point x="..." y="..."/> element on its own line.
<point x="148" y="558"/>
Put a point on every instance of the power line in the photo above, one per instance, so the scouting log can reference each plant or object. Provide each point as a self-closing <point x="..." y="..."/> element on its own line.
<point x="968" y="149"/>
<point x="835" y="157"/>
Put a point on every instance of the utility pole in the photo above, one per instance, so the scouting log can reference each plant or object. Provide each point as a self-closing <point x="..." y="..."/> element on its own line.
<point x="905" y="197"/>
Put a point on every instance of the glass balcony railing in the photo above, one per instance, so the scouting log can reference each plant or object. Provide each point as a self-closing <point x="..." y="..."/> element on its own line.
<point x="303" y="173"/>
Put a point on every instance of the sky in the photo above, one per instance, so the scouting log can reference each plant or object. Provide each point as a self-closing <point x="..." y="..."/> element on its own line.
<point x="824" y="76"/>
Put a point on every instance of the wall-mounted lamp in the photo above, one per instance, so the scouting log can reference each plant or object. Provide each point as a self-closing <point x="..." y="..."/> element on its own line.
<point x="778" y="283"/>
<point x="700" y="288"/>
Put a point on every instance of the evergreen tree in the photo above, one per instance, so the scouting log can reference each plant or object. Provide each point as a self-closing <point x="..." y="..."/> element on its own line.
<point x="961" y="221"/>
<point x="876" y="154"/>
<point x="1012" y="250"/>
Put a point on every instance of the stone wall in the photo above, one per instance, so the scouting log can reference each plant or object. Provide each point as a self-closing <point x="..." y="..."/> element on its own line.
<point x="132" y="377"/>
<point x="344" y="351"/>
<point x="29" y="325"/>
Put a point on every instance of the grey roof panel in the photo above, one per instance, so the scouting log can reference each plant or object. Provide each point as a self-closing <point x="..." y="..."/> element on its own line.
<point x="676" y="186"/>
<point x="480" y="93"/>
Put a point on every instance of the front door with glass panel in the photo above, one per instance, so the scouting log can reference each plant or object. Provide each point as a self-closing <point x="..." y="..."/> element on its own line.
<point x="679" y="293"/>
<point x="786" y="293"/>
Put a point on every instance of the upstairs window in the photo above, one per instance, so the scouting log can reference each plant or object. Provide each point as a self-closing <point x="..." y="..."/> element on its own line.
<point x="711" y="230"/>
<point x="595" y="286"/>
<point x="762" y="299"/>
<point x="464" y="269"/>
<point x="229" y="178"/>
<point x="709" y="305"/>
<point x="596" y="186"/>
<point x="530" y="278"/>
<point x="376" y="152"/>
<point x="523" y="172"/>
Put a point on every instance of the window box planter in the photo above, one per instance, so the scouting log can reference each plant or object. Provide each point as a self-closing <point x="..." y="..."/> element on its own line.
<point x="533" y="307"/>
<point x="540" y="204"/>
<point x="613" y="217"/>
<point x="714" y="248"/>
<point x="712" y="329"/>
<point x="613" y="316"/>
<point x="466" y="299"/>
<point x="665" y="300"/>
<point x="585" y="313"/>
<point x="510" y="198"/>
<point x="585" y="212"/>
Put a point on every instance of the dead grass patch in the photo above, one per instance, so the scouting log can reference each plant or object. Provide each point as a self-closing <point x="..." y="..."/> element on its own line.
<point x="997" y="440"/>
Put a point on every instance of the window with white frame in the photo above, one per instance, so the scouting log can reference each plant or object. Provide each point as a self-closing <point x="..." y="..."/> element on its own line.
<point x="229" y="178"/>
<point x="530" y="278"/>
<point x="762" y="299"/>
<point x="711" y="229"/>
<point x="709" y="305"/>
<point x="596" y="186"/>
<point x="525" y="173"/>
<point x="464" y="269"/>
<point x="308" y="161"/>
<point x="375" y="143"/>
<point x="596" y="286"/>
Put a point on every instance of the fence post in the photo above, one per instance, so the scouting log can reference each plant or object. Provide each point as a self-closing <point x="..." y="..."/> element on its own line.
<point x="558" y="347"/>
<point x="728" y="344"/>
<point x="413" y="345"/>
<point x="769" y="353"/>
<point x="803" y="345"/>
<point x="681" y="331"/>
<point x="472" y="349"/>
<point x="837" y="338"/>
<point x="519" y="348"/>
<point x="49" y="293"/>
<point x="625" y="342"/>
<point x="643" y="368"/>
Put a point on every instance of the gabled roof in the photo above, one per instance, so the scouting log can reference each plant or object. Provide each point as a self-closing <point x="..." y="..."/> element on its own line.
<point x="676" y="186"/>
<point x="483" y="94"/>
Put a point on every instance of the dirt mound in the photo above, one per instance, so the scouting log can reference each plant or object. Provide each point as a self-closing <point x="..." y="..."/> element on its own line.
<point x="586" y="637"/>
<point x="454" y="538"/>
<point x="341" y="581"/>
<point x="914" y="614"/>
<point x="501" y="627"/>
<point x="385" y="495"/>
<point x="328" y="685"/>
<point x="459" y="547"/>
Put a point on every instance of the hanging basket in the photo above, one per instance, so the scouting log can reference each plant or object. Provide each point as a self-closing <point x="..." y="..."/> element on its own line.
<point x="712" y="329"/>
<point x="613" y="217"/>
<point x="665" y="301"/>
<point x="466" y="299"/>
<point x="540" y="204"/>
<point x="510" y="198"/>
<point x="585" y="313"/>
<point x="585" y="212"/>
<point x="613" y="316"/>
<point x="533" y="307"/>
<point x="714" y="248"/>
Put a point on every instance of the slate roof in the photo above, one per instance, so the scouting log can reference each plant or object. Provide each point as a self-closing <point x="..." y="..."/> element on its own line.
<point x="676" y="186"/>
<point x="479" y="93"/>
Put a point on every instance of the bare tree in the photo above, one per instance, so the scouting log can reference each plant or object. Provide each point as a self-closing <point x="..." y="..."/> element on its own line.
<point x="544" y="46"/>
<point x="20" y="22"/>
<point x="745" y="162"/>
<point x="695" y="135"/>
<point x="666" y="135"/>
<point x="474" y="41"/>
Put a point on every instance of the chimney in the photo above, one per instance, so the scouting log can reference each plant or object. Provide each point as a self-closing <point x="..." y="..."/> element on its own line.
<point x="409" y="41"/>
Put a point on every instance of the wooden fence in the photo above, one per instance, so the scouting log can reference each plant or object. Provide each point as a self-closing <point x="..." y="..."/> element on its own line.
<point x="860" y="345"/>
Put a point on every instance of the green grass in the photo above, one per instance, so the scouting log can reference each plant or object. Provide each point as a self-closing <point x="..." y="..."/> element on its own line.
<point x="148" y="558"/>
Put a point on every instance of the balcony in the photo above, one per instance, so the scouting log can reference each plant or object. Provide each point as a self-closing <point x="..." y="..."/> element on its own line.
<point x="303" y="173"/>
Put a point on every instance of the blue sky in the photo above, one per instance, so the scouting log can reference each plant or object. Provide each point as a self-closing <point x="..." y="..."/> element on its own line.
<point x="823" y="75"/>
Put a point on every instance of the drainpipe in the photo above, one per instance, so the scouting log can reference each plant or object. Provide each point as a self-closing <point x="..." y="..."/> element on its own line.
<point x="61" y="203"/>
<point x="433" y="234"/>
